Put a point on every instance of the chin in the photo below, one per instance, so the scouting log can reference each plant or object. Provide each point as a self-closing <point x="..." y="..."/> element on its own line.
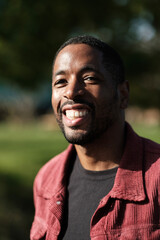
<point x="78" y="141"/>
<point x="80" y="138"/>
<point x="86" y="136"/>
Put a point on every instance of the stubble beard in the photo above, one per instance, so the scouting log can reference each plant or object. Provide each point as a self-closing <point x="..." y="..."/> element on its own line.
<point x="96" y="128"/>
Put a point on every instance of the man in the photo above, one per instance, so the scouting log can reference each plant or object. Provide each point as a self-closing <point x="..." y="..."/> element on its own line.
<point x="106" y="185"/>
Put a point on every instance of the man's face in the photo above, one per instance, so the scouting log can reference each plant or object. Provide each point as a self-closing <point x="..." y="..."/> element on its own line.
<point x="84" y="98"/>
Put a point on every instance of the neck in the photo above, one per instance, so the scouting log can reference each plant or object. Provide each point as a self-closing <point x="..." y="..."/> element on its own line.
<point x="103" y="153"/>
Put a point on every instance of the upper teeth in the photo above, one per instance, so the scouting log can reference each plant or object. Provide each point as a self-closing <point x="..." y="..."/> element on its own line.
<point x="71" y="114"/>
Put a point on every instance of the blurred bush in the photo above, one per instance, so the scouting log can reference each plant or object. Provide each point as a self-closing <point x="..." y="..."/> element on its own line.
<point x="31" y="32"/>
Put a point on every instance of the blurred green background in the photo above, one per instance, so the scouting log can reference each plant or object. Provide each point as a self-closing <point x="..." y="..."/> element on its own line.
<point x="30" y="34"/>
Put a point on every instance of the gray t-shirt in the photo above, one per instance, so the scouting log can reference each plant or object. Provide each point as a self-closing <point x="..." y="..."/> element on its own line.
<point x="85" y="190"/>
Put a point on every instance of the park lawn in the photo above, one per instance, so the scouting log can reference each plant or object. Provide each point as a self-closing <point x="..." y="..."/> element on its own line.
<point x="148" y="131"/>
<point x="23" y="150"/>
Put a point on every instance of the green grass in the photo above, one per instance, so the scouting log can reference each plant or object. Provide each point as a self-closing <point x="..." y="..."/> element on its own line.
<point x="23" y="150"/>
<point x="148" y="131"/>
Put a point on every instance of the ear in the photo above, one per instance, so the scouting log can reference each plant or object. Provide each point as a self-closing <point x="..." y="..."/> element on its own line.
<point x="124" y="94"/>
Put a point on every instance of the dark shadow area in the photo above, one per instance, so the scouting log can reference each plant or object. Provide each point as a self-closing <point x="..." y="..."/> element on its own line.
<point x="16" y="208"/>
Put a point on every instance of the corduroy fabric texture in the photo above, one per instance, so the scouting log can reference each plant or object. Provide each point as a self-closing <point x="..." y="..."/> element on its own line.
<point x="130" y="211"/>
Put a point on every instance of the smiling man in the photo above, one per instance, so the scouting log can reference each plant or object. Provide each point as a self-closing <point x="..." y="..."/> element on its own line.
<point x="106" y="184"/>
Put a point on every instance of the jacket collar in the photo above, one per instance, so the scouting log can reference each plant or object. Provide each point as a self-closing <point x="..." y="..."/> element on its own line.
<point x="53" y="174"/>
<point x="129" y="183"/>
<point x="129" y="178"/>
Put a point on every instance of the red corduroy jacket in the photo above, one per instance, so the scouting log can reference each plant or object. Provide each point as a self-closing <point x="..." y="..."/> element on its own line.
<point x="131" y="210"/>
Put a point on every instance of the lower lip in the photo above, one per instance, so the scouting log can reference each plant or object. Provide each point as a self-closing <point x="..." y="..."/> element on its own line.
<point x="75" y="122"/>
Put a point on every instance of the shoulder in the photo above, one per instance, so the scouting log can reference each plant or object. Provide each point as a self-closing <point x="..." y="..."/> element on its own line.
<point x="141" y="145"/>
<point x="143" y="149"/>
<point x="151" y="146"/>
<point x="151" y="149"/>
<point x="151" y="156"/>
<point x="151" y="166"/>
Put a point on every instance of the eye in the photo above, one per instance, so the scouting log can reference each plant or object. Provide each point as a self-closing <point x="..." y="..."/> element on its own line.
<point x="60" y="83"/>
<point x="91" y="79"/>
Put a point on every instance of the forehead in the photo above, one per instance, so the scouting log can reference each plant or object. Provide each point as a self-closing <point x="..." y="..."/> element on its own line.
<point x="77" y="55"/>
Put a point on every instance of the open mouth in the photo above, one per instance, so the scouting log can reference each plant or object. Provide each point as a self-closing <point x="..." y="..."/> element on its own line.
<point x="74" y="114"/>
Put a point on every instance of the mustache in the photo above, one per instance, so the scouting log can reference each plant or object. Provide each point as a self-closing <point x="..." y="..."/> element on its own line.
<point x="72" y="102"/>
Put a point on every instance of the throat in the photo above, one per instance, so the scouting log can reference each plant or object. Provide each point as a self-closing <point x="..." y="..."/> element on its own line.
<point x="102" y="154"/>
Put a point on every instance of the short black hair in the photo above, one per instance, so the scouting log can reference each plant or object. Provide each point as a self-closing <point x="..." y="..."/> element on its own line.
<point x="111" y="59"/>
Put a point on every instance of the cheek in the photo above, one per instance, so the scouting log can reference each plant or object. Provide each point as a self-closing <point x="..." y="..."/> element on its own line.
<point x="104" y="102"/>
<point x="101" y="96"/>
<point x="55" y="100"/>
<point x="101" y="91"/>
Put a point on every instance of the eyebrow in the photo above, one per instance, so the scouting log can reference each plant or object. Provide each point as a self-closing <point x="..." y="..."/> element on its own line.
<point x="87" y="68"/>
<point x="61" y="72"/>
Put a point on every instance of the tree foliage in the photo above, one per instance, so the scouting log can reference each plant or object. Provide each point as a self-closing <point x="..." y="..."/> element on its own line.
<point x="31" y="32"/>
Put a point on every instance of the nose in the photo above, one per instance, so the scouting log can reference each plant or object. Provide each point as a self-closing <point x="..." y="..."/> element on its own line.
<point x="74" y="89"/>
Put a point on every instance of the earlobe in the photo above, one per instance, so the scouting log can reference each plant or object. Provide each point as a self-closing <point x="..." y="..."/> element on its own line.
<point x="124" y="94"/>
